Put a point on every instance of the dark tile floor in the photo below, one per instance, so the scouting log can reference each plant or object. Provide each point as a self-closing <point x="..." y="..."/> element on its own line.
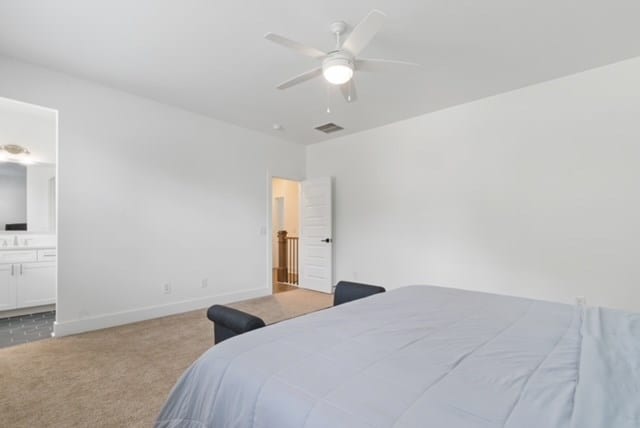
<point x="26" y="328"/>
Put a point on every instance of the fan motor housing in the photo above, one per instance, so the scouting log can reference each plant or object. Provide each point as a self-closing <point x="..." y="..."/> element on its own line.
<point x="338" y="58"/>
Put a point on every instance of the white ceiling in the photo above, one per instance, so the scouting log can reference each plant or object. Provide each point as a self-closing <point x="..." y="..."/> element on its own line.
<point x="210" y="56"/>
<point x="29" y="126"/>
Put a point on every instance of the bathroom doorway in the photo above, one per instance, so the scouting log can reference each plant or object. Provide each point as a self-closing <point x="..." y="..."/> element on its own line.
<point x="28" y="222"/>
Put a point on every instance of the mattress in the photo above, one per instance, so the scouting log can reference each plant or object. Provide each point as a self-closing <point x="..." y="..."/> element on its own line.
<point x="421" y="356"/>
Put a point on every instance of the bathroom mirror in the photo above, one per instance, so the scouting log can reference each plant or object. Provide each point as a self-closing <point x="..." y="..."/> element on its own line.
<point x="27" y="195"/>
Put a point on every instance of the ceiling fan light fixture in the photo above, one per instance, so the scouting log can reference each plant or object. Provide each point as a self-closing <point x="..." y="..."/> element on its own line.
<point x="338" y="74"/>
<point x="339" y="65"/>
<point x="337" y="69"/>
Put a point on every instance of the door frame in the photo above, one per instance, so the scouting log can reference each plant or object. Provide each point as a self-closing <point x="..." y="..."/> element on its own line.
<point x="269" y="222"/>
<point x="56" y="112"/>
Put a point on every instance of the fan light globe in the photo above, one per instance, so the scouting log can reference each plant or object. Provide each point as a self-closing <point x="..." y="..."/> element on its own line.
<point x="337" y="68"/>
<point x="338" y="74"/>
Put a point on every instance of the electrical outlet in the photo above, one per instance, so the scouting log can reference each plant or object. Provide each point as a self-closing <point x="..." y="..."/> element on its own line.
<point x="355" y="275"/>
<point x="205" y="283"/>
<point x="581" y="300"/>
<point x="167" y="288"/>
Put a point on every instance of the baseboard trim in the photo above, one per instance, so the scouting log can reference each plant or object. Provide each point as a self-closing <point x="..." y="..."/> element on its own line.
<point x="66" y="328"/>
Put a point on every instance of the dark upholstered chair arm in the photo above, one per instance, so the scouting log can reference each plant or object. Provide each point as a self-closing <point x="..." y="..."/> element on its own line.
<point x="348" y="291"/>
<point x="229" y="322"/>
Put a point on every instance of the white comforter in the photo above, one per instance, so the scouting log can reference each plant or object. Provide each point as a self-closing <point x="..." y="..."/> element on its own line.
<point x="421" y="357"/>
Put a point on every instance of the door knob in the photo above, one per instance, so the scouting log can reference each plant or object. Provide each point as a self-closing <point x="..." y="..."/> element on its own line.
<point x="327" y="240"/>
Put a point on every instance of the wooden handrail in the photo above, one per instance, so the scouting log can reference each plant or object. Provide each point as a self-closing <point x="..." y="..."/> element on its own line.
<point x="287" y="270"/>
<point x="281" y="274"/>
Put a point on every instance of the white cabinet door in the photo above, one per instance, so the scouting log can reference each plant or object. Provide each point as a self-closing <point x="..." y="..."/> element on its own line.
<point x="36" y="284"/>
<point x="7" y="287"/>
<point x="316" y="254"/>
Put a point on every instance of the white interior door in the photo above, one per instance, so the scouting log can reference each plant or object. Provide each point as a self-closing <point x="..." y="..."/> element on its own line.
<point x="316" y="245"/>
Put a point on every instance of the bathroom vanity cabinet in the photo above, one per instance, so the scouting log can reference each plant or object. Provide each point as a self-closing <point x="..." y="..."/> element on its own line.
<point x="27" y="278"/>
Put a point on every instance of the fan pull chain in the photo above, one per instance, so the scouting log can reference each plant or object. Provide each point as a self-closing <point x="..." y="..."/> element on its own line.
<point x="328" y="99"/>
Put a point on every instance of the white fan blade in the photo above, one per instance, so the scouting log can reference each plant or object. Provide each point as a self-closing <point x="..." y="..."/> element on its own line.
<point x="307" y="75"/>
<point x="349" y="91"/>
<point x="364" y="32"/>
<point x="300" y="48"/>
<point x="367" y="64"/>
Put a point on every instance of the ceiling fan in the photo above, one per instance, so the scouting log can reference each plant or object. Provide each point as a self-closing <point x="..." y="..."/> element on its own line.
<point x="339" y="65"/>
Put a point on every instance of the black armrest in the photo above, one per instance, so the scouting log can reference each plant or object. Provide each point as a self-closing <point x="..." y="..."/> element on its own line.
<point x="229" y="322"/>
<point x="347" y="291"/>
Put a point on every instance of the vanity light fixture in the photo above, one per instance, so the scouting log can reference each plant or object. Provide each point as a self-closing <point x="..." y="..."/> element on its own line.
<point x="15" y="153"/>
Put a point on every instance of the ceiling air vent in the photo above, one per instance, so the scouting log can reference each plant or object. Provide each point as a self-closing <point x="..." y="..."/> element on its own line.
<point x="328" y="128"/>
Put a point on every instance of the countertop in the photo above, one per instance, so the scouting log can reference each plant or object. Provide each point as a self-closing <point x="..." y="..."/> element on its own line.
<point x="34" y="247"/>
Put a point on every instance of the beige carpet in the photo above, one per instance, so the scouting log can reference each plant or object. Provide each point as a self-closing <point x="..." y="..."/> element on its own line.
<point x="118" y="377"/>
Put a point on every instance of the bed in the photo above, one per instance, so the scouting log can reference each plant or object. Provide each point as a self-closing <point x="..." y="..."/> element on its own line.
<point x="421" y="356"/>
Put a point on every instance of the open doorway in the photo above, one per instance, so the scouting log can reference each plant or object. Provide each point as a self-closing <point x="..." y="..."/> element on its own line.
<point x="28" y="232"/>
<point x="285" y="228"/>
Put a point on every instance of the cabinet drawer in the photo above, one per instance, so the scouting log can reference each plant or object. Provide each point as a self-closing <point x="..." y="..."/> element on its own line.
<point x="47" y="255"/>
<point x="17" y="256"/>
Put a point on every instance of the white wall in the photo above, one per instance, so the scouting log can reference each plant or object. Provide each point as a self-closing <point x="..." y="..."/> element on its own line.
<point x="148" y="195"/>
<point x="13" y="200"/>
<point x="38" y="198"/>
<point x="531" y="193"/>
